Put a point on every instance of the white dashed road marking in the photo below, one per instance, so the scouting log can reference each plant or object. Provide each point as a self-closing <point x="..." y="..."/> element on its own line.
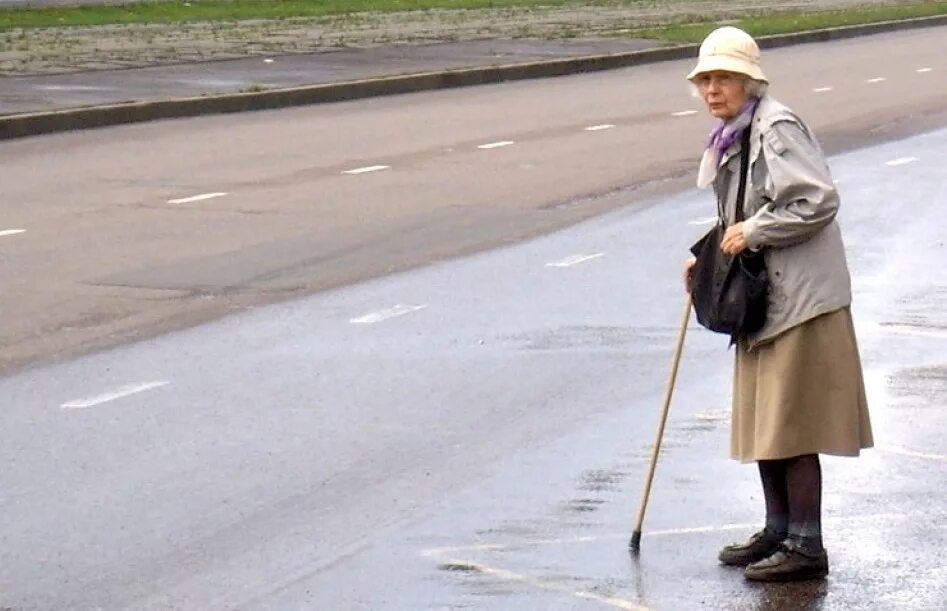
<point x="877" y="79"/>
<point x="575" y="260"/>
<point x="901" y="161"/>
<point x="365" y="170"/>
<point x="268" y="61"/>
<point x="398" y="310"/>
<point x="596" y="128"/>
<point x="7" y="232"/>
<point x="706" y="221"/>
<point x="118" y="393"/>
<point x="822" y="89"/>
<point x="496" y="145"/>
<point x="196" y="198"/>
<point x="684" y="113"/>
<point x="923" y="70"/>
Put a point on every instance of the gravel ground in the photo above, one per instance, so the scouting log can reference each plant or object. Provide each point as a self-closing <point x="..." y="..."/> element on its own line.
<point x="56" y="50"/>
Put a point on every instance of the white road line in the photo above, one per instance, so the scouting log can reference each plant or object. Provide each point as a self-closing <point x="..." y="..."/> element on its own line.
<point x="596" y="128"/>
<point x="398" y="310"/>
<point x="877" y="79"/>
<point x="196" y="198"/>
<point x="118" y="393"/>
<point x="436" y="552"/>
<point x="575" y="260"/>
<point x="268" y="61"/>
<point x="496" y="145"/>
<point x="440" y="552"/>
<point x="913" y="454"/>
<point x="725" y="527"/>
<point x="696" y="530"/>
<point x="911" y="330"/>
<point x="901" y="161"/>
<point x="366" y="169"/>
<point x="923" y="70"/>
<point x="706" y="221"/>
<point x="684" y="113"/>
<point x="822" y="89"/>
<point x="7" y="232"/>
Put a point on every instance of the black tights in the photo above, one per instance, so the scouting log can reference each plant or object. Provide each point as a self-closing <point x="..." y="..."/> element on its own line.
<point x="792" y="488"/>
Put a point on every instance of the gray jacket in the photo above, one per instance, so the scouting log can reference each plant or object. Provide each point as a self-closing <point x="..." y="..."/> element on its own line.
<point x="790" y="209"/>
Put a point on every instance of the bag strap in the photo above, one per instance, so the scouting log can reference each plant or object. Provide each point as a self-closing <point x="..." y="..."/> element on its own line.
<point x="744" y="169"/>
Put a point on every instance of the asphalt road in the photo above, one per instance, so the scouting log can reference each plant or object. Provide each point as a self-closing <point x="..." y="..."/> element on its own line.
<point x="114" y="248"/>
<point x="472" y="433"/>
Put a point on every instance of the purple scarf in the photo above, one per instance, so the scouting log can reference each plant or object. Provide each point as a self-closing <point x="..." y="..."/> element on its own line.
<point x="722" y="137"/>
<point x="725" y="133"/>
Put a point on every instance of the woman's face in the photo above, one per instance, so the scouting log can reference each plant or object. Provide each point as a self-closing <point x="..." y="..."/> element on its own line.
<point x="723" y="92"/>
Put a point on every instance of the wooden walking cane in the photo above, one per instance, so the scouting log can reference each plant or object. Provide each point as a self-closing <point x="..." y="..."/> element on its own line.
<point x="635" y="543"/>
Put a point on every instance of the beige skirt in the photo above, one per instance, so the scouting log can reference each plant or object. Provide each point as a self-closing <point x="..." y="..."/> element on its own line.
<point x="802" y="393"/>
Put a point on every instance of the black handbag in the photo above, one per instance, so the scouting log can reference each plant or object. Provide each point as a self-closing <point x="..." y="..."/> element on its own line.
<point x="730" y="294"/>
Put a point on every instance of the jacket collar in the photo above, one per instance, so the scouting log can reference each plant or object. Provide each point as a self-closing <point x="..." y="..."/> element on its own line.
<point x="756" y="142"/>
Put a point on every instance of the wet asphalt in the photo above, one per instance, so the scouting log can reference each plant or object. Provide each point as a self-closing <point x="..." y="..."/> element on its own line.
<point x="475" y="434"/>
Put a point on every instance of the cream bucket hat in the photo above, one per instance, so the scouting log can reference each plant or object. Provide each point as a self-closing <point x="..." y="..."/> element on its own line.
<point x="729" y="49"/>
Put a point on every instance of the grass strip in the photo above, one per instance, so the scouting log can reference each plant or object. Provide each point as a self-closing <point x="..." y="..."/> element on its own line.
<point x="189" y="11"/>
<point x="180" y="11"/>
<point x="788" y="23"/>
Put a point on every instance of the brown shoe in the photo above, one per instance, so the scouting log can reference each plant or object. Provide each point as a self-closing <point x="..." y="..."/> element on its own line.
<point x="791" y="562"/>
<point x="759" y="546"/>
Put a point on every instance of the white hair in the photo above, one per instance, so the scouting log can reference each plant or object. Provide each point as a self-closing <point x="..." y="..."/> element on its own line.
<point x="753" y="88"/>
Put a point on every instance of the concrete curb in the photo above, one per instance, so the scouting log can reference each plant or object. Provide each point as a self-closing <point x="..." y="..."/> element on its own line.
<point x="32" y="124"/>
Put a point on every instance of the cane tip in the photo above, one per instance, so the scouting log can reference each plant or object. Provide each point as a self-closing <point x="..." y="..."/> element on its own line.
<point x="635" y="544"/>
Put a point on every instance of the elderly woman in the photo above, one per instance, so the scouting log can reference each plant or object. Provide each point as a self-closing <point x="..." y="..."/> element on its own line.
<point x="797" y="387"/>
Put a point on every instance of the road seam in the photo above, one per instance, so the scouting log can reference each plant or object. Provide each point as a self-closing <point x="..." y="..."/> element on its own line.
<point x="543" y="584"/>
